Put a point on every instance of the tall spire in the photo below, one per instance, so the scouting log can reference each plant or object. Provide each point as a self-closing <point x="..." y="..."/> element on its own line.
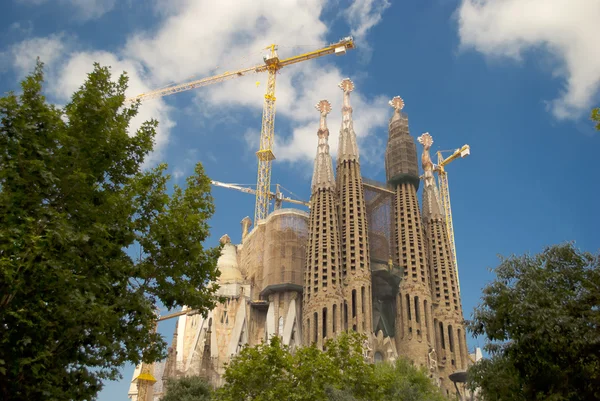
<point x="431" y="199"/>
<point x="355" y="256"/>
<point x="414" y="326"/>
<point x="347" y="147"/>
<point x="450" y="340"/>
<point x="323" y="172"/>
<point x="322" y="297"/>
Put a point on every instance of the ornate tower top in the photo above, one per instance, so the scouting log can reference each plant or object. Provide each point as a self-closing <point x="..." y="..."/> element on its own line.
<point x="401" y="164"/>
<point x="323" y="171"/>
<point x="347" y="147"/>
<point x="431" y="201"/>
<point x="324" y="108"/>
<point x="398" y="104"/>
<point x="426" y="140"/>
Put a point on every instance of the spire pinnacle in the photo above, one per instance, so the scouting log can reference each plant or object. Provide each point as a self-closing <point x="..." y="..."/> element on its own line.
<point x="347" y="147"/>
<point x="324" y="108"/>
<point x="323" y="170"/>
<point x="398" y="104"/>
<point x="347" y="86"/>
<point x="431" y="202"/>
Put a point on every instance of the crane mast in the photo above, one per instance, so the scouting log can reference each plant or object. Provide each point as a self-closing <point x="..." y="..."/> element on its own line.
<point x="145" y="380"/>
<point x="272" y="64"/>
<point x="464" y="151"/>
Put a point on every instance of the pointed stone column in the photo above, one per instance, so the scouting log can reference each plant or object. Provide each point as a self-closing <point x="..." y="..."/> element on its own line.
<point x="414" y="331"/>
<point x="447" y="312"/>
<point x="354" y="240"/>
<point x="322" y="298"/>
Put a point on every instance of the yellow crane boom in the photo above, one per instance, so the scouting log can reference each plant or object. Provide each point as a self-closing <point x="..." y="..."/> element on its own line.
<point x="272" y="64"/>
<point x="277" y="196"/>
<point x="464" y="151"/>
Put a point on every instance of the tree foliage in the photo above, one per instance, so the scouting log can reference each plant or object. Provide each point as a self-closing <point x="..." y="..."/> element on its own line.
<point x="541" y="318"/>
<point x="596" y="117"/>
<point x="192" y="388"/>
<point x="270" y="372"/>
<point x="74" y="205"/>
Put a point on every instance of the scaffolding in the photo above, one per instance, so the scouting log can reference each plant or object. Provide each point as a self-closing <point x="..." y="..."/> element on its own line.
<point x="252" y="258"/>
<point x="286" y="235"/>
<point x="386" y="276"/>
<point x="379" y="200"/>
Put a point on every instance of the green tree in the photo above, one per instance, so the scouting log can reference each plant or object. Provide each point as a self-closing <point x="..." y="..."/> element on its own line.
<point x="270" y="372"/>
<point x="542" y="322"/>
<point x="192" y="388"/>
<point x="596" y="117"/>
<point x="404" y="381"/>
<point x="74" y="205"/>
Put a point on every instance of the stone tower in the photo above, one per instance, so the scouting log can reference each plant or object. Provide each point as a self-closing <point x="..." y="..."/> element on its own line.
<point x="450" y="337"/>
<point x="322" y="297"/>
<point x="414" y="332"/>
<point x="356" y="270"/>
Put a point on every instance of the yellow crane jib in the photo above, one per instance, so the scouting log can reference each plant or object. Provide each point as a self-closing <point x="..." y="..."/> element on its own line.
<point x="272" y="64"/>
<point x="277" y="196"/>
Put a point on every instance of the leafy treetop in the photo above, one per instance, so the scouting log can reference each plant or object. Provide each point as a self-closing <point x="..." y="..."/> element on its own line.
<point x="75" y="205"/>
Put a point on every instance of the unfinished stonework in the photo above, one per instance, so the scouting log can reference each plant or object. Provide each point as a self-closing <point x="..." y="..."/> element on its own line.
<point x="366" y="258"/>
<point x="355" y="260"/>
<point x="414" y="324"/>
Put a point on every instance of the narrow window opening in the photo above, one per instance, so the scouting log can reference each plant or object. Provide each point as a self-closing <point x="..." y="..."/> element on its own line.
<point x="353" y="303"/>
<point x="442" y="336"/>
<point x="362" y="300"/>
<point x="324" y="322"/>
<point x="345" y="316"/>
<point x="417" y="310"/>
<point x="450" y="338"/>
<point x="316" y="331"/>
<point x="408" y="312"/>
<point x="334" y="316"/>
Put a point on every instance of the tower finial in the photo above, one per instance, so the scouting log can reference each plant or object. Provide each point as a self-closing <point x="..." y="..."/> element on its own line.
<point x="324" y="108"/>
<point x="398" y="104"/>
<point x="426" y="140"/>
<point x="347" y="86"/>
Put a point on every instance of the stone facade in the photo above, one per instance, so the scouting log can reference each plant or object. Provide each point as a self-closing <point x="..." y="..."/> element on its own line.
<point x="366" y="258"/>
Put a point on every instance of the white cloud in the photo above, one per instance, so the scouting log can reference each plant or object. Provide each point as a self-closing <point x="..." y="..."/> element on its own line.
<point x="24" y="54"/>
<point x="84" y="9"/>
<point x="566" y="29"/>
<point x="71" y="75"/>
<point x="364" y="15"/>
<point x="200" y="38"/>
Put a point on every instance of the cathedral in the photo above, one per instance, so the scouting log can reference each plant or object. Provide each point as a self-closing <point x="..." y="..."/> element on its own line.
<point x="367" y="258"/>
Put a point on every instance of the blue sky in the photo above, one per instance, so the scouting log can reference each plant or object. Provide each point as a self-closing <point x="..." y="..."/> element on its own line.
<point x="514" y="79"/>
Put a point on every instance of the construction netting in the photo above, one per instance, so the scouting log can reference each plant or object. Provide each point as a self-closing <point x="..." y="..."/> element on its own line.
<point x="379" y="200"/>
<point x="286" y="237"/>
<point x="252" y="258"/>
<point x="401" y="161"/>
<point x="386" y="276"/>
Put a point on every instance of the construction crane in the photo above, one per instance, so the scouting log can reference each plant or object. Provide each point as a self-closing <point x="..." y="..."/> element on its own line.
<point x="272" y="64"/>
<point x="277" y="196"/>
<point x="145" y="380"/>
<point x="464" y="151"/>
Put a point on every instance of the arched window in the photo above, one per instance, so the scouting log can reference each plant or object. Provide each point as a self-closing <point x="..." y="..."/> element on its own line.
<point x="378" y="357"/>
